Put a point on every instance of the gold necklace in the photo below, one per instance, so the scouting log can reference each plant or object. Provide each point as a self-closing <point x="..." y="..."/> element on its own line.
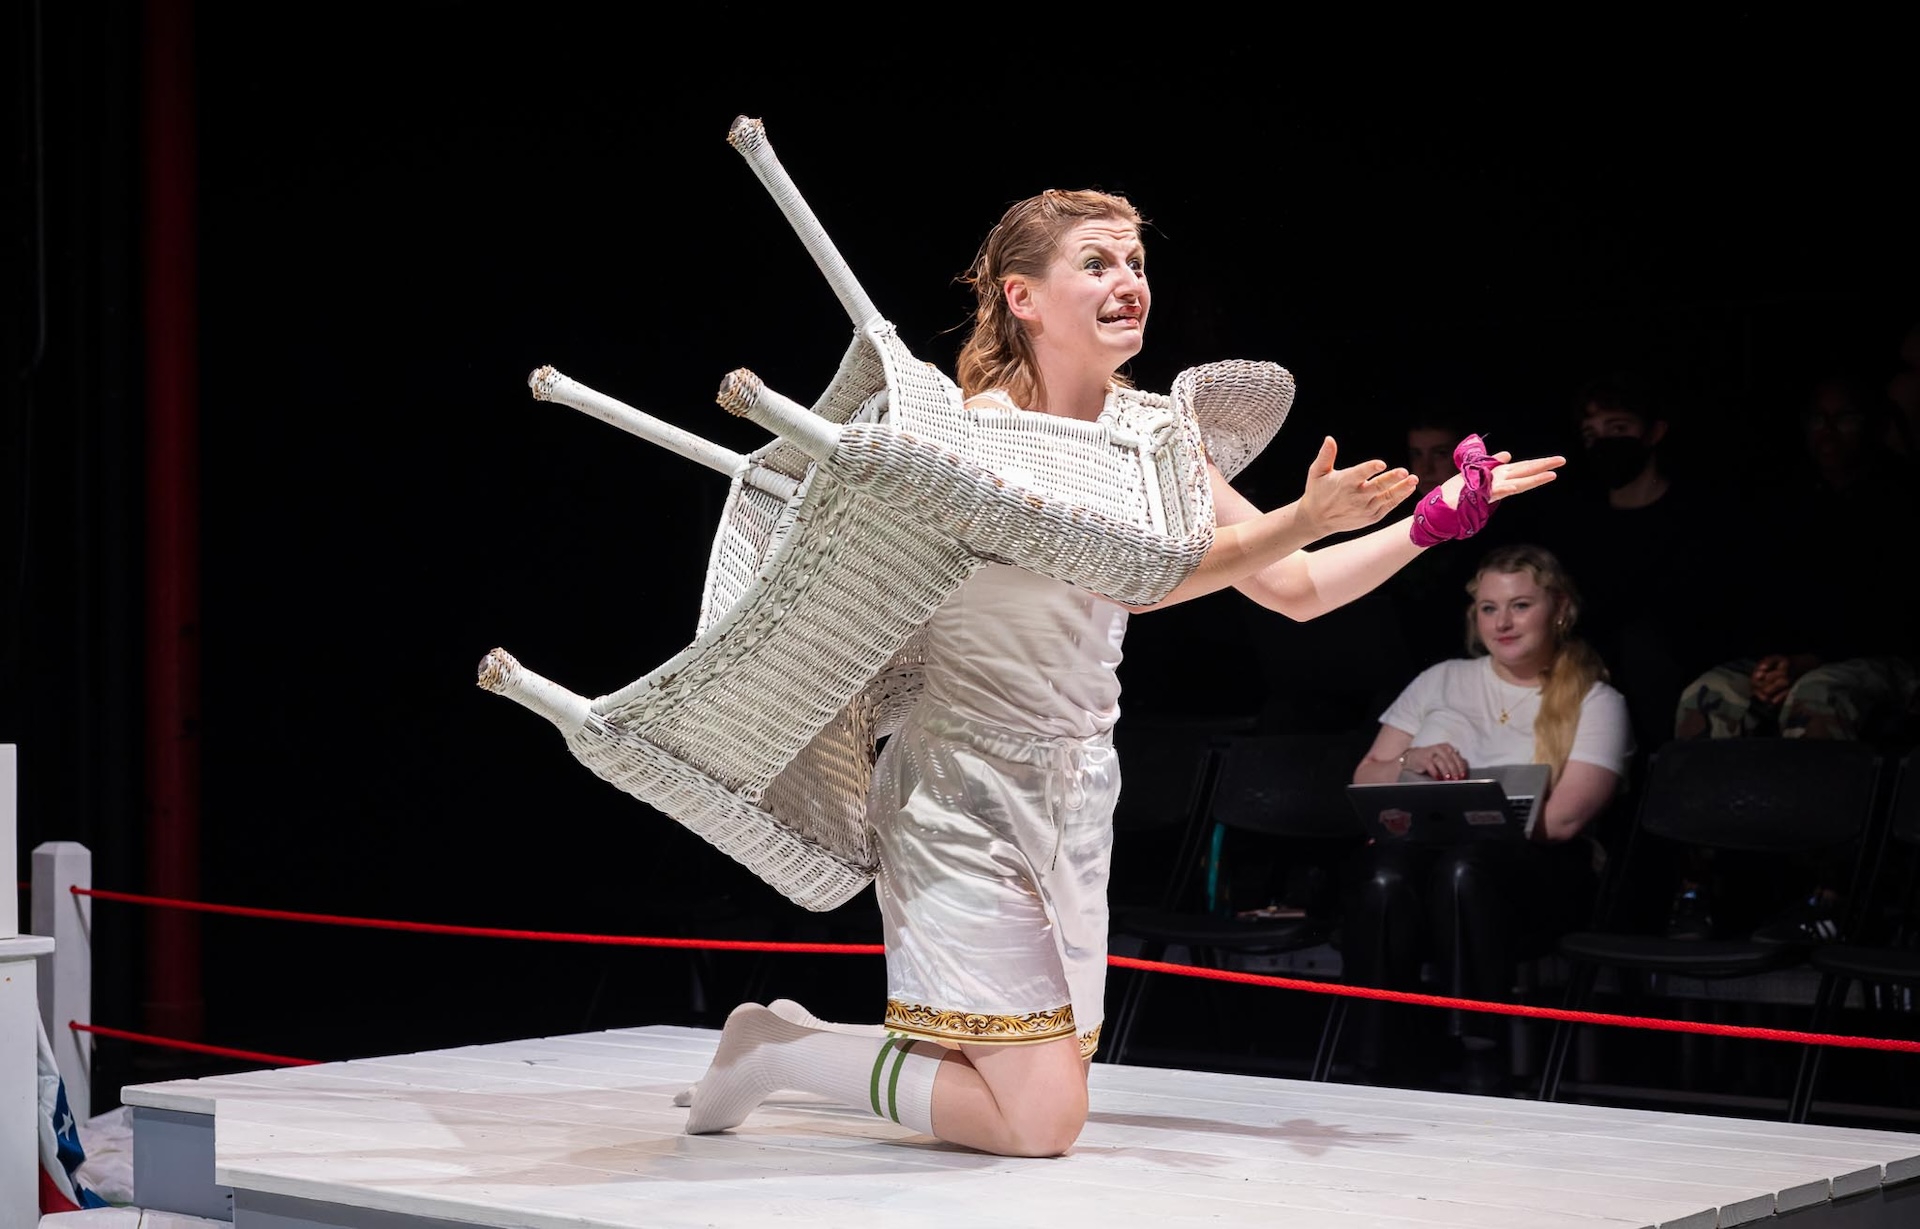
<point x="1507" y="710"/>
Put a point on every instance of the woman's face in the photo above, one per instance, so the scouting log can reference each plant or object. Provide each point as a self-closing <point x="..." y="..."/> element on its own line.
<point x="1430" y="456"/>
<point x="1514" y="618"/>
<point x="1091" y="306"/>
<point x="1835" y="428"/>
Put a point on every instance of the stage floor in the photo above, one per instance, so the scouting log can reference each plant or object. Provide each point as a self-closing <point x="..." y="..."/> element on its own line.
<point x="577" y="1132"/>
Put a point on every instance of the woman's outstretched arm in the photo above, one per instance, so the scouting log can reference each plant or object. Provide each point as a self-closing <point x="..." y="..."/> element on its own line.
<point x="1246" y="540"/>
<point x="1265" y="555"/>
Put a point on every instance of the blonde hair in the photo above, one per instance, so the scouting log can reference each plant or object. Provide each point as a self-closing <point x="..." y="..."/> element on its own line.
<point x="1575" y="666"/>
<point x="998" y="353"/>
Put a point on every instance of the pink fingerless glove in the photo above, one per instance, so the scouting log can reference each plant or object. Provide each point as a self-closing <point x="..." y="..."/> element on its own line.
<point x="1434" y="522"/>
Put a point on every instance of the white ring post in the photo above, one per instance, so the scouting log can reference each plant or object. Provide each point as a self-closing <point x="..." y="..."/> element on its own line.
<point x="9" y="818"/>
<point x="66" y="976"/>
<point x="19" y="1029"/>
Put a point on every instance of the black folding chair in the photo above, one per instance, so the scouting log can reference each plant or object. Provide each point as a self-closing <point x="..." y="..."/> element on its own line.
<point x="1883" y="957"/>
<point x="1778" y="802"/>
<point x="1275" y="802"/>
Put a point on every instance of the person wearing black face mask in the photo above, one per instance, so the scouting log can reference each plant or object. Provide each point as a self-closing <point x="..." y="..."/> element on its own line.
<point x="1616" y="460"/>
<point x="1622" y="425"/>
<point x="1633" y="527"/>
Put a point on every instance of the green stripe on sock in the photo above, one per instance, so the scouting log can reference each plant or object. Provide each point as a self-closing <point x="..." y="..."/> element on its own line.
<point x="893" y="1081"/>
<point x="873" y="1087"/>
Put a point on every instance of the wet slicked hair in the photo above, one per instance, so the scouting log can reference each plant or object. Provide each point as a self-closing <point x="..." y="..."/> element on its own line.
<point x="998" y="353"/>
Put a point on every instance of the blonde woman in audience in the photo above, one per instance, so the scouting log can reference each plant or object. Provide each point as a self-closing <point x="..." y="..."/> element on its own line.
<point x="1529" y="691"/>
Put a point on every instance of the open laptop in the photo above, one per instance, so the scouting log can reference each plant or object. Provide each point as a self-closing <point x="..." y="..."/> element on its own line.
<point x="1496" y="804"/>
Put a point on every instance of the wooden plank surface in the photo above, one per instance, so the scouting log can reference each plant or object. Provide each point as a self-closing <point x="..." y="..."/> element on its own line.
<point x="566" y="1132"/>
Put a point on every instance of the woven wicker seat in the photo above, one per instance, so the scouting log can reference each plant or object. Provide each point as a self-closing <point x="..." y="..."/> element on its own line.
<point x="837" y="542"/>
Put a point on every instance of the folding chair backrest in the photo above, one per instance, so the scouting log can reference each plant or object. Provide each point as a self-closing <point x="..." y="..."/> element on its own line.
<point x="1903" y="806"/>
<point x="1167" y="772"/>
<point x="1762" y="795"/>
<point x="1288" y="784"/>
<point x="1890" y="908"/>
<point x="1279" y="821"/>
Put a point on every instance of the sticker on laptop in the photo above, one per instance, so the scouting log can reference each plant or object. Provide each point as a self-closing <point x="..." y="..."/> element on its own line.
<point x="1483" y="819"/>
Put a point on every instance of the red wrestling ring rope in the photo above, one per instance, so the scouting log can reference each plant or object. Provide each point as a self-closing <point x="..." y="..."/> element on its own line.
<point x="1649" y="1023"/>
<point x="280" y="1060"/>
<point x="486" y="932"/>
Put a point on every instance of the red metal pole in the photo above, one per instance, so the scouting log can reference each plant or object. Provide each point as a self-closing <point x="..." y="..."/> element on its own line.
<point x="173" y="1003"/>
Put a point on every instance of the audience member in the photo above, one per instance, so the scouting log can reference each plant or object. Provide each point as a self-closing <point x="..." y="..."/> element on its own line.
<point x="1423" y="598"/>
<point x="1633" y="524"/>
<point x="1832" y="648"/>
<point x="1387" y="636"/>
<point x="1529" y="691"/>
<point x="1431" y="439"/>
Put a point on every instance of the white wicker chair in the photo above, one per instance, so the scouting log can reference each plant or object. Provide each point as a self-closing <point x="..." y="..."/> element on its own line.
<point x="837" y="542"/>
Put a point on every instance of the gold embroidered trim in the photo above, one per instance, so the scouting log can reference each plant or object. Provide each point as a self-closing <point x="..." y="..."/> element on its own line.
<point x="975" y="1028"/>
<point x="1090" y="1042"/>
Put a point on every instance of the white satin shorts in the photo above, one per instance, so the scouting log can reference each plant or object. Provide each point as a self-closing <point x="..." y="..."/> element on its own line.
<point x="995" y="848"/>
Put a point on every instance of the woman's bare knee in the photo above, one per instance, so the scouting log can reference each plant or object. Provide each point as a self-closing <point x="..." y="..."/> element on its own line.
<point x="1040" y="1092"/>
<point x="1046" y="1126"/>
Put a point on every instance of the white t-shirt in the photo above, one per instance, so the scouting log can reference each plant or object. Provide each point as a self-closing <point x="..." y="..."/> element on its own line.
<point x="1461" y="701"/>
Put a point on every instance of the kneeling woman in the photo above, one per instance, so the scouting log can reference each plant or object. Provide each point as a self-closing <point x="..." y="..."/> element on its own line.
<point x="1528" y="691"/>
<point x="993" y="804"/>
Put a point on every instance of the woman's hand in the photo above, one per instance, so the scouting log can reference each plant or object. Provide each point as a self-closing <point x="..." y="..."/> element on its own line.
<point x="1459" y="507"/>
<point x="1441" y="761"/>
<point x="1510" y="477"/>
<point x="1336" y="500"/>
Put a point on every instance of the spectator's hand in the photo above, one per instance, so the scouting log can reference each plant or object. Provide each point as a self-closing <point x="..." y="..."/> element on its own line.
<point x="1771" y="677"/>
<point x="1779" y="671"/>
<point x="1441" y="761"/>
<point x="1336" y="500"/>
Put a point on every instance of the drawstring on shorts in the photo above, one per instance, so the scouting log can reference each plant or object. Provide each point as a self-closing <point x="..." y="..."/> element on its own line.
<point x="1067" y="777"/>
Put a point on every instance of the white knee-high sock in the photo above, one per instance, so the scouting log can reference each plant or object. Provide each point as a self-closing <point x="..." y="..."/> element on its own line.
<point x="760" y="1053"/>
<point x="789" y="1010"/>
<point x="902" y="1084"/>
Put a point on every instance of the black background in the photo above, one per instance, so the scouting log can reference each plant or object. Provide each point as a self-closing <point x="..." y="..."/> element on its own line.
<point x="403" y="209"/>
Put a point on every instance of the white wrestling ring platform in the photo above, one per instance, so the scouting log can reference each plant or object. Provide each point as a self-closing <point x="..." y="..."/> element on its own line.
<point x="579" y="1132"/>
